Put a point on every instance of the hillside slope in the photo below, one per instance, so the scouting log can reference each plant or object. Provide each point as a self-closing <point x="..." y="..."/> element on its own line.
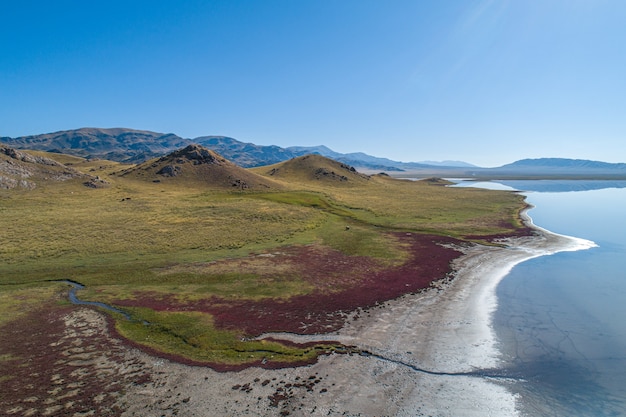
<point x="26" y="171"/>
<point x="314" y="169"/>
<point x="196" y="165"/>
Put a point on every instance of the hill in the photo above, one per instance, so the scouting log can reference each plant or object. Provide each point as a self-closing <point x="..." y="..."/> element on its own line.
<point x="25" y="170"/>
<point x="316" y="169"/>
<point x="195" y="164"/>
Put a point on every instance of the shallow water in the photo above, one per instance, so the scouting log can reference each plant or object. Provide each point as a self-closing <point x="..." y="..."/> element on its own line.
<point x="561" y="319"/>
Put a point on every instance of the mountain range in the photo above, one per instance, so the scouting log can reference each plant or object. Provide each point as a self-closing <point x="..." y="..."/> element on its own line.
<point x="137" y="146"/>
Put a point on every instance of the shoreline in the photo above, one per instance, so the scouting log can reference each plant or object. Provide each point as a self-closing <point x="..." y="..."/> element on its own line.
<point x="445" y="331"/>
<point x="426" y="353"/>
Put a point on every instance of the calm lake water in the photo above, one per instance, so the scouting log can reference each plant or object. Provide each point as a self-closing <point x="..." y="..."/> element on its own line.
<point x="561" y="319"/>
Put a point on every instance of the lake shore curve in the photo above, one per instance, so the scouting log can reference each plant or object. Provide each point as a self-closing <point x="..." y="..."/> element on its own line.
<point x="445" y="330"/>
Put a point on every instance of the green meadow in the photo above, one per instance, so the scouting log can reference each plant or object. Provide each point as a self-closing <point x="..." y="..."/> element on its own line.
<point x="192" y="242"/>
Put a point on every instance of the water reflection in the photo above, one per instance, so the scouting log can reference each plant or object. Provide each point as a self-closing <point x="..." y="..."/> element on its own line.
<point x="560" y="318"/>
<point x="543" y="186"/>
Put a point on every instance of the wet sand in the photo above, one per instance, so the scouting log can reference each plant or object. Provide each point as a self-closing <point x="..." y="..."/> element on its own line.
<point x="430" y="353"/>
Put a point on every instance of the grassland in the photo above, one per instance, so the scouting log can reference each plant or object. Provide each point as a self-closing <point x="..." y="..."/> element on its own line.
<point x="143" y="245"/>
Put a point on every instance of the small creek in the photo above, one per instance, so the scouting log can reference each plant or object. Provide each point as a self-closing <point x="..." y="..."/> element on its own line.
<point x="75" y="300"/>
<point x="487" y="373"/>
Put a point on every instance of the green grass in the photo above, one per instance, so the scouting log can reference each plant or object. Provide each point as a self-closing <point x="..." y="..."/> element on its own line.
<point x="193" y="335"/>
<point x="195" y="243"/>
<point x="18" y="300"/>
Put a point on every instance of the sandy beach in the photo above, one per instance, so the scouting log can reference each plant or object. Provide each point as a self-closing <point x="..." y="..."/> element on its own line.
<point x="429" y="356"/>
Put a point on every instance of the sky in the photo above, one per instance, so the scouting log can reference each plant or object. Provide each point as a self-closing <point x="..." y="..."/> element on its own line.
<point x="482" y="81"/>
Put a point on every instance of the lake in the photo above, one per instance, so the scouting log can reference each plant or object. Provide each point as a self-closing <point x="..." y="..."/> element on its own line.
<point x="561" y="319"/>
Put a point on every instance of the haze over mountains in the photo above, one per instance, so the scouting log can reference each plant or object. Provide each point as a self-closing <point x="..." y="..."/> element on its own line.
<point x="138" y="146"/>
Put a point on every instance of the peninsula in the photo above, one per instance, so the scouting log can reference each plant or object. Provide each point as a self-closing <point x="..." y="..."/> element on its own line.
<point x="304" y="287"/>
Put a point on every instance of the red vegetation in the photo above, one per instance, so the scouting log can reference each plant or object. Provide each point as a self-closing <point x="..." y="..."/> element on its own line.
<point x="53" y="368"/>
<point x="343" y="284"/>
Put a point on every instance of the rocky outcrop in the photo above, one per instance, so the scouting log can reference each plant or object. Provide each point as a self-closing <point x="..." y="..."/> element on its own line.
<point x="31" y="159"/>
<point x="197" y="165"/>
<point x="22" y="170"/>
<point x="197" y="155"/>
<point x="96" y="182"/>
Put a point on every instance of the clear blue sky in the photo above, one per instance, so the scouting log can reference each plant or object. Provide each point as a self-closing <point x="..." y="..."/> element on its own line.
<point x="484" y="81"/>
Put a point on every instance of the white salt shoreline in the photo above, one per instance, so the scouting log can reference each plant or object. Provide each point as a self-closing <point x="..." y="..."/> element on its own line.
<point x="451" y="330"/>
<point x="444" y="329"/>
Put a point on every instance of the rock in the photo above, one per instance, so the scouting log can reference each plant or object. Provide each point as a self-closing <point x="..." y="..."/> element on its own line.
<point x="96" y="182"/>
<point x="169" y="171"/>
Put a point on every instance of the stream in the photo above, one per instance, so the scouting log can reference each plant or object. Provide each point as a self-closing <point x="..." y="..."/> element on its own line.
<point x="75" y="300"/>
<point x="493" y="374"/>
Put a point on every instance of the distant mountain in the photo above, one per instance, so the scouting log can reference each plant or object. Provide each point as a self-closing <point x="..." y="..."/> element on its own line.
<point x="560" y="167"/>
<point x="245" y="154"/>
<point x="358" y="159"/>
<point x="319" y="150"/>
<point x="117" y="144"/>
<point x="459" y="164"/>
<point x="136" y="146"/>
<point x="362" y="160"/>
<point x="561" y="163"/>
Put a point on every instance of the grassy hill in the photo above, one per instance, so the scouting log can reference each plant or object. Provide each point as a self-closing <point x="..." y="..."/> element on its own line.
<point x="26" y="170"/>
<point x="196" y="165"/>
<point x="209" y="264"/>
<point x="314" y="170"/>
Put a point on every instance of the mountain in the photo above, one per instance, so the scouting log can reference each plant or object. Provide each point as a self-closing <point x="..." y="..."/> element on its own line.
<point x="245" y="154"/>
<point x="363" y="160"/>
<point x="136" y="146"/>
<point x="446" y="163"/>
<point x="559" y="167"/>
<point x="195" y="164"/>
<point x="117" y="144"/>
<point x="320" y="150"/>
<point x="562" y="163"/>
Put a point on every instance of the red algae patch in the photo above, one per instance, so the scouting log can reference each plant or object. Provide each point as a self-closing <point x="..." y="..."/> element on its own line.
<point x="343" y="284"/>
<point x="61" y="361"/>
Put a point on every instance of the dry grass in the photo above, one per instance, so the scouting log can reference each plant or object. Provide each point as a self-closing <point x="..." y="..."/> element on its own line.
<point x="137" y="236"/>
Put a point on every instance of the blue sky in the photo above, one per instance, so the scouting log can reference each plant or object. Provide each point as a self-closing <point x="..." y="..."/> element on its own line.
<point x="483" y="81"/>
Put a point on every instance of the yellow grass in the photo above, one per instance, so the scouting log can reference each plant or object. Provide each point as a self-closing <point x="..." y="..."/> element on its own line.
<point x="194" y="242"/>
